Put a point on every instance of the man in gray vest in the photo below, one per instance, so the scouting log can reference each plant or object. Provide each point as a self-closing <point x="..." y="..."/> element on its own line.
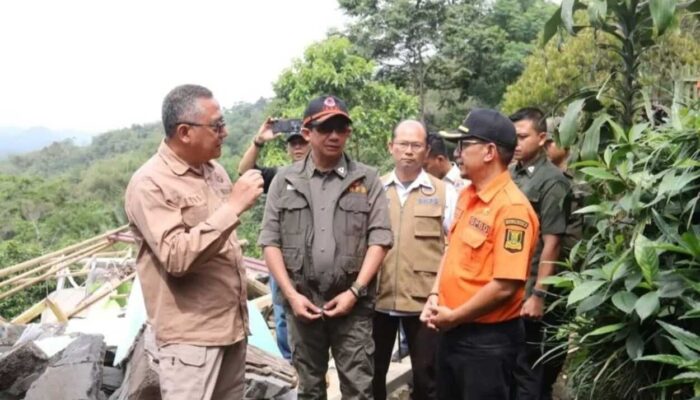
<point x="548" y="190"/>
<point x="421" y="209"/>
<point x="325" y="233"/>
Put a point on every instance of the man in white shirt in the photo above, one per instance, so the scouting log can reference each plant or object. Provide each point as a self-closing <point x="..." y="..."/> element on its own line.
<point x="421" y="209"/>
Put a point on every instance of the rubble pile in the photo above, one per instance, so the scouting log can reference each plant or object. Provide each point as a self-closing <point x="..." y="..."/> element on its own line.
<point x="42" y="361"/>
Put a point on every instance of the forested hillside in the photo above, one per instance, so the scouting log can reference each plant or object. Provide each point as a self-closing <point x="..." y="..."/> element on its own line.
<point x="65" y="193"/>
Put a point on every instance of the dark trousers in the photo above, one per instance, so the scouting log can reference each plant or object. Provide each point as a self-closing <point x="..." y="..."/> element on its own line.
<point x="535" y="381"/>
<point x="477" y="361"/>
<point x="349" y="340"/>
<point x="421" y="347"/>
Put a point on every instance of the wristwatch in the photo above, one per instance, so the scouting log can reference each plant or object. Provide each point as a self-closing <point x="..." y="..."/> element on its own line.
<point x="258" y="145"/>
<point x="539" y="293"/>
<point x="358" y="289"/>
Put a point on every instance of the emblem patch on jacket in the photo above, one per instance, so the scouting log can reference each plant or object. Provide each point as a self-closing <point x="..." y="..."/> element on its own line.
<point x="358" y="187"/>
<point x="514" y="240"/>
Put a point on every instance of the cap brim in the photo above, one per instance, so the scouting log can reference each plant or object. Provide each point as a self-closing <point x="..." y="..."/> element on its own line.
<point x="326" y="115"/>
<point x="293" y="135"/>
<point x="460" y="133"/>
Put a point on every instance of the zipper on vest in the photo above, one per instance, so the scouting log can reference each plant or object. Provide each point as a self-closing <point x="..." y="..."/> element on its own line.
<point x="398" y="256"/>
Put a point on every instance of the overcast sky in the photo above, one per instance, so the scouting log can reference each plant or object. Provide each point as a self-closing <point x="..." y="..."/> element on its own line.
<point x="98" y="65"/>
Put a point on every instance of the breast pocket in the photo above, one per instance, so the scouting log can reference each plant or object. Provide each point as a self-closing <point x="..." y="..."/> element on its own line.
<point x="291" y="214"/>
<point x="479" y="251"/>
<point x="356" y="213"/>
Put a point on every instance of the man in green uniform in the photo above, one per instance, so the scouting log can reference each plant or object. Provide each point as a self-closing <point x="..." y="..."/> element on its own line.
<point x="548" y="190"/>
<point x="325" y="233"/>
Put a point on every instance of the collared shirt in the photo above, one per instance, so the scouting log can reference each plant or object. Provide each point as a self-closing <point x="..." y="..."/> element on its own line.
<point x="548" y="191"/>
<point x="424" y="181"/>
<point x="326" y="187"/>
<point x="323" y="222"/>
<point x="189" y="263"/>
<point x="454" y="178"/>
<point x="493" y="237"/>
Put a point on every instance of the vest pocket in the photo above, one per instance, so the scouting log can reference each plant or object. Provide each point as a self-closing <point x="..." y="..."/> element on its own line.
<point x="356" y="210"/>
<point x="290" y="217"/>
<point x="423" y="278"/>
<point x="292" y="259"/>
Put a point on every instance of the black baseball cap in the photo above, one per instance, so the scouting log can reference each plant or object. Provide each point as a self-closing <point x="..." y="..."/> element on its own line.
<point x="487" y="125"/>
<point x="293" y="134"/>
<point x="323" y="108"/>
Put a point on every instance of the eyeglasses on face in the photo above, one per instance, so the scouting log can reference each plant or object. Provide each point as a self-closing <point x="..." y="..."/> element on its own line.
<point x="463" y="144"/>
<point x="218" y="127"/>
<point x="403" y="146"/>
<point x="333" y="125"/>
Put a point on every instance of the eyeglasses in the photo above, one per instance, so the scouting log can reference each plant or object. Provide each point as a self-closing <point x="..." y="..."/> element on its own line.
<point x="463" y="144"/>
<point x="218" y="126"/>
<point x="332" y="125"/>
<point x="403" y="146"/>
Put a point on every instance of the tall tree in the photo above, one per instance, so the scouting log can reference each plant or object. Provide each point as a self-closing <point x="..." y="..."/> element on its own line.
<point x="466" y="50"/>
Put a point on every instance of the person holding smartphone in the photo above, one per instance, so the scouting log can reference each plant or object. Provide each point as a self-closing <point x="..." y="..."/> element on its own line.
<point x="297" y="148"/>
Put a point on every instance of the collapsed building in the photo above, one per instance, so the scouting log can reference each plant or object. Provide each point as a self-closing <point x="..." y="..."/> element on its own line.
<point x="86" y="339"/>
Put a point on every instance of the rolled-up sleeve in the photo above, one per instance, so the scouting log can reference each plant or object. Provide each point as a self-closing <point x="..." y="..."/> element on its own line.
<point x="177" y="247"/>
<point x="270" y="231"/>
<point x="379" y="225"/>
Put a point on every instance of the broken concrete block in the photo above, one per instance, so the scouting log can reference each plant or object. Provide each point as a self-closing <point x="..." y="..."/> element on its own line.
<point x="40" y="331"/>
<point x="112" y="379"/>
<point x="53" y="345"/>
<point x="19" y="363"/>
<point x="75" y="375"/>
<point x="9" y="334"/>
<point x="141" y="377"/>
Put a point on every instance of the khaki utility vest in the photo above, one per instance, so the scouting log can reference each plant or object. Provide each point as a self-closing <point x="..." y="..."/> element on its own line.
<point x="410" y="267"/>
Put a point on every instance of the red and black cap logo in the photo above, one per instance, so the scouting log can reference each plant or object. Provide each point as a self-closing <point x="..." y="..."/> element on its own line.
<point x="323" y="108"/>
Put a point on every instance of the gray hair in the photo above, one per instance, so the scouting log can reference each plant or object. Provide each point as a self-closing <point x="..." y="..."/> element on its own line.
<point x="180" y="104"/>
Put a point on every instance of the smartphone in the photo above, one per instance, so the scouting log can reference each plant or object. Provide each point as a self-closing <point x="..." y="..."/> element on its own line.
<point x="286" y="125"/>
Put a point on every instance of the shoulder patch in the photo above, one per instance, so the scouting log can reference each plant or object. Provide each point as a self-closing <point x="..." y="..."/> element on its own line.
<point x="515" y="239"/>
<point x="516" y="222"/>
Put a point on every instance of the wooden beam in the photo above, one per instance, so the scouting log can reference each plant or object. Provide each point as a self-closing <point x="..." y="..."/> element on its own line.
<point x="99" y="297"/>
<point x="35" y="280"/>
<point x="29" y="263"/>
<point x="256" y="288"/>
<point x="60" y="315"/>
<point x="29" y="314"/>
<point x="263" y="302"/>
<point x="66" y="262"/>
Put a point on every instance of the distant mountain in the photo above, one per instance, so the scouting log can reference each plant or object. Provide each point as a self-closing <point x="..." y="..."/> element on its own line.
<point x="15" y="140"/>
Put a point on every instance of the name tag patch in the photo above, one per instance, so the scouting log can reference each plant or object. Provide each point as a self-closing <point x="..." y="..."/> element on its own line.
<point x="479" y="225"/>
<point x="431" y="201"/>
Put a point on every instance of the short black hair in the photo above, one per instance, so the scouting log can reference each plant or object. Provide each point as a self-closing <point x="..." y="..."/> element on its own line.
<point x="533" y="114"/>
<point x="505" y="154"/>
<point x="437" y="146"/>
<point x="180" y="104"/>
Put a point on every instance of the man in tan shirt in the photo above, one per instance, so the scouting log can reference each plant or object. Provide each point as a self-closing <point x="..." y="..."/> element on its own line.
<point x="183" y="209"/>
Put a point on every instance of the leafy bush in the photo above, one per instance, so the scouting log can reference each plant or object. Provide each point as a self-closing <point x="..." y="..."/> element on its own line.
<point x="642" y="260"/>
